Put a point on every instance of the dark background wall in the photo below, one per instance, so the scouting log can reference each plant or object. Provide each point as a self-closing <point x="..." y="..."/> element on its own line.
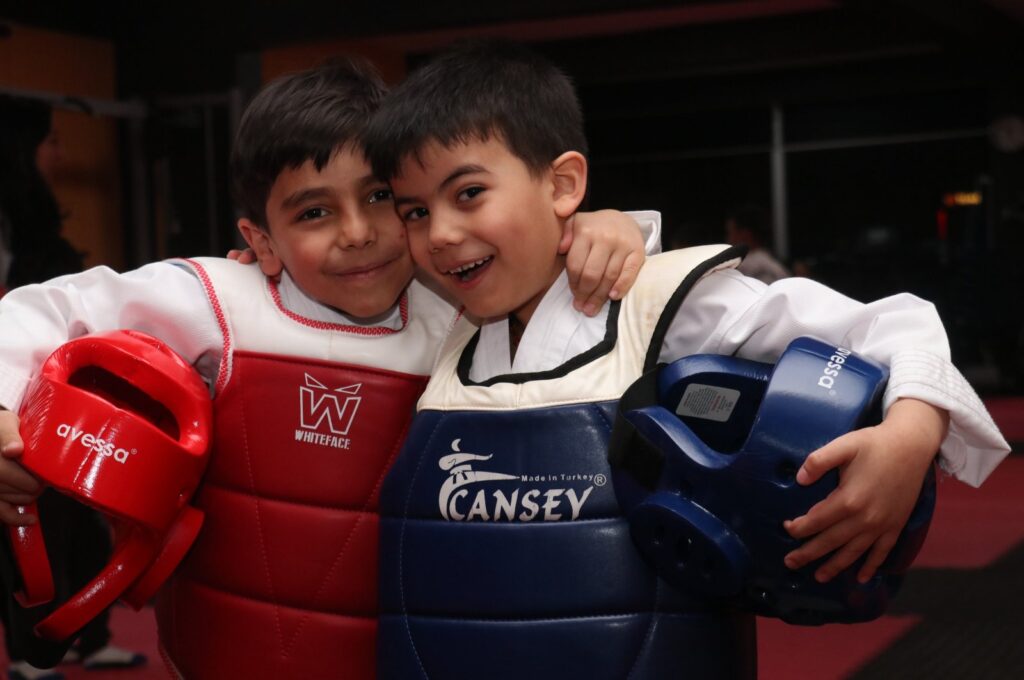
<point x="882" y="111"/>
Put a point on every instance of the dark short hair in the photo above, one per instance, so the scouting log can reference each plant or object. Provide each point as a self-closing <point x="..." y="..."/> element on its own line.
<point x="477" y="90"/>
<point x="297" y="118"/>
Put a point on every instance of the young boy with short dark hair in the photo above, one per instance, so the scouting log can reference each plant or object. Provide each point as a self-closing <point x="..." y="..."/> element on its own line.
<point x="503" y="552"/>
<point x="315" y="357"/>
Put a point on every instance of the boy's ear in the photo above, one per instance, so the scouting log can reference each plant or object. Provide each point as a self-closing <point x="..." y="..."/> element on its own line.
<point x="261" y="244"/>
<point x="569" y="174"/>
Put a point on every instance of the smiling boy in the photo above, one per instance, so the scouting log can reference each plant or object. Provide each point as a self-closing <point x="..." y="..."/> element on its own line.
<point x="468" y="258"/>
<point x="306" y="204"/>
<point x="485" y="152"/>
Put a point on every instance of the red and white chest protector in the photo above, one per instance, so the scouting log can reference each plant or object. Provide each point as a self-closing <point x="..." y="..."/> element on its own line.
<point x="282" y="582"/>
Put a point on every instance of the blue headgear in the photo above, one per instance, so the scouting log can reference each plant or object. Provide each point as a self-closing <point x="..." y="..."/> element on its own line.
<point x="704" y="458"/>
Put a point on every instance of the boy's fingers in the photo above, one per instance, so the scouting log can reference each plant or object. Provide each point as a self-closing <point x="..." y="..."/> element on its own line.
<point x="591" y="274"/>
<point x="611" y="272"/>
<point x="849" y="553"/>
<point x="19" y="498"/>
<point x="17" y="495"/>
<point x="837" y="452"/>
<point x="12" y="449"/>
<point x="627" y="276"/>
<point x="11" y="516"/>
<point x="11" y="445"/>
<point x="247" y="256"/>
<point x="595" y="270"/>
<point x="820" y="545"/>
<point x="877" y="555"/>
<point x="565" y="244"/>
<point x="574" y="263"/>
<point x="16" y="479"/>
<point x="822" y="515"/>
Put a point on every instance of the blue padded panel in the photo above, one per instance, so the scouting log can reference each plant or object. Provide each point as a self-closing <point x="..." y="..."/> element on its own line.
<point x="561" y="568"/>
<point x="674" y="645"/>
<point x="504" y="555"/>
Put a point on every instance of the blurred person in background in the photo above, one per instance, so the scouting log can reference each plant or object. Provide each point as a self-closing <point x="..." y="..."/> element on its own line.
<point x="78" y="540"/>
<point x="748" y="225"/>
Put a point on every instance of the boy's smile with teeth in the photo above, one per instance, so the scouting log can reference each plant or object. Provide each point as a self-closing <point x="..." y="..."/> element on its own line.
<point x="467" y="271"/>
<point x="482" y="224"/>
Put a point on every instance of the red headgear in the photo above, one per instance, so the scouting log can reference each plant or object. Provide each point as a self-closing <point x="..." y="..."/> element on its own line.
<point x="121" y="423"/>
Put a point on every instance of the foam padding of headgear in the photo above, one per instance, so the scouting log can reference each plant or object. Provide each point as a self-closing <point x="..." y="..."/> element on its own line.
<point x="704" y="458"/>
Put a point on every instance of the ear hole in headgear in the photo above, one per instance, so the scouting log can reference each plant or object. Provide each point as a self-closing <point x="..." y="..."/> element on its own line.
<point x="126" y="396"/>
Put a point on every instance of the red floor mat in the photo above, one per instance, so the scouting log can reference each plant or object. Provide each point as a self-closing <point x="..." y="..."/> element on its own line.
<point x="960" y="613"/>
<point x="1008" y="413"/>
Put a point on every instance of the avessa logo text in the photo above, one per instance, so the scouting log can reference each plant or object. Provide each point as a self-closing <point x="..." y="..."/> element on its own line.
<point x="832" y="368"/>
<point x="326" y="415"/>
<point x="98" y="445"/>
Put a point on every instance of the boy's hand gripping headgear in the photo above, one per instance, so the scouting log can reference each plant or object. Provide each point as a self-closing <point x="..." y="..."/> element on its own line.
<point x="704" y="457"/>
<point x="121" y="423"/>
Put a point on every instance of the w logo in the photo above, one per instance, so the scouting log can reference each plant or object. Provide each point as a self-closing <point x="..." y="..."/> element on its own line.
<point x="318" y="404"/>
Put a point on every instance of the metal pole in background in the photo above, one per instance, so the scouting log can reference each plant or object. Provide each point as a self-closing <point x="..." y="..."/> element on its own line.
<point x="780" y="228"/>
<point x="92" y="105"/>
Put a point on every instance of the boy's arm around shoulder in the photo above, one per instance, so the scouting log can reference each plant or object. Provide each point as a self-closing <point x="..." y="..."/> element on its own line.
<point x="604" y="253"/>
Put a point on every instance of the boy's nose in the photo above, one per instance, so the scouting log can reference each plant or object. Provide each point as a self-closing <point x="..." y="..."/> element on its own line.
<point x="356" y="232"/>
<point x="445" y="230"/>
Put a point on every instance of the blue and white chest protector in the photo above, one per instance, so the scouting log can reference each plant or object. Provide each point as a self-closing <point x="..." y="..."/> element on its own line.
<point x="504" y="553"/>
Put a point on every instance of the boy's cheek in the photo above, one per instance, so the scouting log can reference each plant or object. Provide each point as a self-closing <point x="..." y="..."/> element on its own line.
<point x="420" y="251"/>
<point x="427" y="268"/>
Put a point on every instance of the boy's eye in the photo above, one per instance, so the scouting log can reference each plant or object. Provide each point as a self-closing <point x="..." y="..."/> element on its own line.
<point x="471" y="192"/>
<point x="415" y="214"/>
<point x="312" y="214"/>
<point x="380" y="195"/>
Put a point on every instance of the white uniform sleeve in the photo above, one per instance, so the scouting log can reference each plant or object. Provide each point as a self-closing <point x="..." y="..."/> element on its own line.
<point x="649" y="222"/>
<point x="161" y="299"/>
<point x="730" y="314"/>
